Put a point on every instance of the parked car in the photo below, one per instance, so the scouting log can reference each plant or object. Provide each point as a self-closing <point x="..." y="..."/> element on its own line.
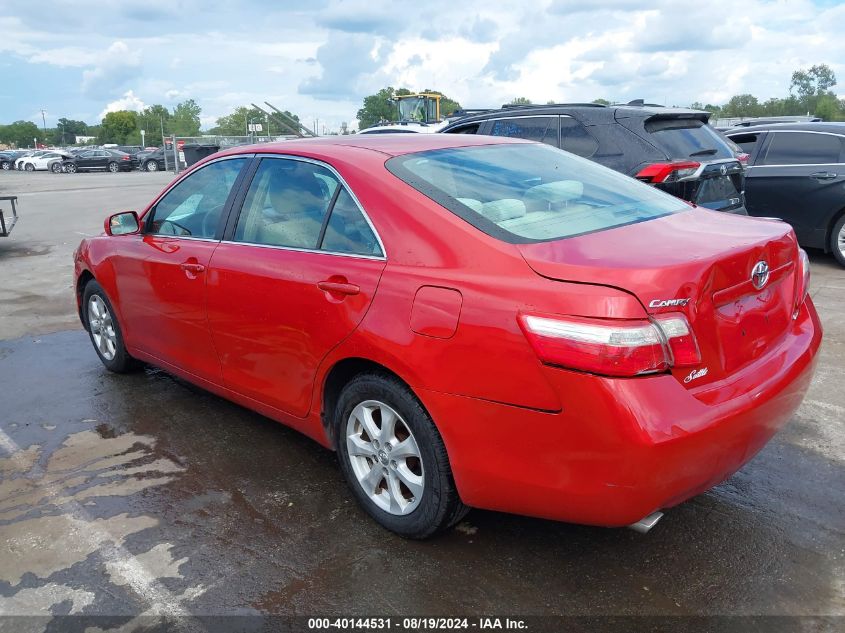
<point x="671" y="148"/>
<point x="152" y="161"/>
<point x="796" y="172"/>
<point x="100" y="159"/>
<point x="8" y="158"/>
<point x="19" y="161"/>
<point x="47" y="161"/>
<point x="618" y="351"/>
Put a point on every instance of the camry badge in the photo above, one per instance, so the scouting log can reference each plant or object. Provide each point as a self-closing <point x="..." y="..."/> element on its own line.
<point x="760" y="274"/>
<point x="665" y="303"/>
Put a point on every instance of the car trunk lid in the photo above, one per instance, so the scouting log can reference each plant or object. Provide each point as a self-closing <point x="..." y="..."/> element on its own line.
<point x="698" y="263"/>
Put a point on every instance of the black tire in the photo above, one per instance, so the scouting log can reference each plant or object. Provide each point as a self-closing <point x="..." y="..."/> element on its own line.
<point x="151" y="165"/>
<point x="113" y="167"/>
<point x="121" y="362"/>
<point x="837" y="240"/>
<point x="71" y="168"/>
<point x="6" y="165"/>
<point x="56" y="168"/>
<point x="29" y="167"/>
<point x="440" y="507"/>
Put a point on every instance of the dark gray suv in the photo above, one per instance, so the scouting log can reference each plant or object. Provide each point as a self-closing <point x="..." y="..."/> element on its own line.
<point x="671" y="148"/>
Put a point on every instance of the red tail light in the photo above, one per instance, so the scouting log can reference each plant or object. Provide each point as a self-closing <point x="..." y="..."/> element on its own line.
<point x="612" y="347"/>
<point x="125" y="158"/>
<point x="668" y="172"/>
<point x="742" y="157"/>
<point x="802" y="277"/>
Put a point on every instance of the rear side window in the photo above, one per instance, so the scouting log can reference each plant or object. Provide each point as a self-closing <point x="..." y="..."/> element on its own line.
<point x="575" y="138"/>
<point x="801" y="148"/>
<point x="533" y="128"/>
<point x="522" y="193"/>
<point x="746" y="142"/>
<point x="686" y="138"/>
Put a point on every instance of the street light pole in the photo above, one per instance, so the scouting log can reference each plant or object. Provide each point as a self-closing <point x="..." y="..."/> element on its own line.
<point x="44" y="122"/>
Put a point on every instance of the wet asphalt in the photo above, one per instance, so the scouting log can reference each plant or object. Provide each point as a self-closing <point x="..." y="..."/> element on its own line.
<point x="141" y="494"/>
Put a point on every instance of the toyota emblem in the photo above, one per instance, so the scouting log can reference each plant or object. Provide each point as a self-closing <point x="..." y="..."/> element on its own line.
<point x="760" y="274"/>
<point x="723" y="170"/>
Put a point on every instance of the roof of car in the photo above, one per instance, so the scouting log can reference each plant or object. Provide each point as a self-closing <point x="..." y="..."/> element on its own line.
<point x="625" y="110"/>
<point x="390" y="144"/>
<point x="818" y="126"/>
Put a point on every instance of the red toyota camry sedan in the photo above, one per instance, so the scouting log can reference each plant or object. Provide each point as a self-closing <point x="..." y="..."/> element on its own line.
<point x="468" y="321"/>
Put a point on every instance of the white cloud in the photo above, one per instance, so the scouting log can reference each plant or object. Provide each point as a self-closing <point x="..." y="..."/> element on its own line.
<point x="129" y="101"/>
<point x="117" y="65"/>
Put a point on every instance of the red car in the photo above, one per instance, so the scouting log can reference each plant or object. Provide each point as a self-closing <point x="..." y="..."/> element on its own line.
<point x="467" y="321"/>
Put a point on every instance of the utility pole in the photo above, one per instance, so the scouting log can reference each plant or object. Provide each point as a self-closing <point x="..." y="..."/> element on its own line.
<point x="44" y="122"/>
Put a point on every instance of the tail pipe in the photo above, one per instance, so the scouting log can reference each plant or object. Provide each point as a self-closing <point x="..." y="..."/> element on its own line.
<point x="646" y="523"/>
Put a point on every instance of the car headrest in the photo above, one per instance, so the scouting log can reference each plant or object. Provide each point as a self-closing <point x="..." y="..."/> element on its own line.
<point x="556" y="192"/>
<point x="504" y="209"/>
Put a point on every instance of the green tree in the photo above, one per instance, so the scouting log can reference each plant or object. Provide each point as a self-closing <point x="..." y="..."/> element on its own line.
<point x="186" y="119"/>
<point x="66" y="130"/>
<point x="379" y="107"/>
<point x="599" y="101"/>
<point x="118" y="127"/>
<point x="521" y="101"/>
<point x="152" y="119"/>
<point x="811" y="85"/>
<point x="20" y="134"/>
<point x="745" y="105"/>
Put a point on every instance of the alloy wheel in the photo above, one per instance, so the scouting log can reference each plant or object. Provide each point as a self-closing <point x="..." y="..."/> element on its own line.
<point x="102" y="329"/>
<point x="152" y="166"/>
<point x="840" y="240"/>
<point x="113" y="168"/>
<point x="29" y="167"/>
<point x="385" y="457"/>
<point x="71" y="168"/>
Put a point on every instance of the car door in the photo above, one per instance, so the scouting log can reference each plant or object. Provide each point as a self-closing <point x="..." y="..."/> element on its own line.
<point x="294" y="277"/>
<point x="162" y="273"/>
<point x="87" y="160"/>
<point x="797" y="176"/>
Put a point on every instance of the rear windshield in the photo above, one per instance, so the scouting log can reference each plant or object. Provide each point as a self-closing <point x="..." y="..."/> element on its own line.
<point x="687" y="138"/>
<point x="527" y="192"/>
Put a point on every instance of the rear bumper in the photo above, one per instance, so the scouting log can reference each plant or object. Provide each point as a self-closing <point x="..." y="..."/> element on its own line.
<point x="622" y="448"/>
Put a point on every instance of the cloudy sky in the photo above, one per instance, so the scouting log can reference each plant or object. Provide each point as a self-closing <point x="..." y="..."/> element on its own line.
<point x="80" y="58"/>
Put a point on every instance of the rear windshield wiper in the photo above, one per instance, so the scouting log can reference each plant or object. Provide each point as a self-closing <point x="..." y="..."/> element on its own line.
<point x="704" y="152"/>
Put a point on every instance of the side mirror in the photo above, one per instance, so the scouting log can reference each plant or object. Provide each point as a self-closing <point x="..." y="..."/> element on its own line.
<point x="122" y="223"/>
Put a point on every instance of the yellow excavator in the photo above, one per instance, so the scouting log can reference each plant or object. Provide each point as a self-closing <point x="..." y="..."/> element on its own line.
<point x="423" y="107"/>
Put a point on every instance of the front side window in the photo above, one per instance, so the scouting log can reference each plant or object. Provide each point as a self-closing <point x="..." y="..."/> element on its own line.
<point x="193" y="207"/>
<point x="533" y="128"/>
<point x="523" y="193"/>
<point x="798" y="148"/>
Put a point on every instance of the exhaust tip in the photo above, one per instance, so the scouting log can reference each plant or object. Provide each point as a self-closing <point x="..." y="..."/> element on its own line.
<point x="646" y="523"/>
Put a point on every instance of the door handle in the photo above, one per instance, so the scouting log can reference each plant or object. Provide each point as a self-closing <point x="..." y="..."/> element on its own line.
<point x="337" y="287"/>
<point x="191" y="267"/>
<point x="823" y="175"/>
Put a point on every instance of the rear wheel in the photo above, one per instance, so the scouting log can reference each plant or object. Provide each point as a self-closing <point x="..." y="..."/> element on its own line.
<point x="114" y="167"/>
<point x="837" y="240"/>
<point x="151" y="165"/>
<point x="6" y="165"/>
<point x="29" y="167"/>
<point x="56" y="168"/>
<point x="394" y="459"/>
<point x="104" y="330"/>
